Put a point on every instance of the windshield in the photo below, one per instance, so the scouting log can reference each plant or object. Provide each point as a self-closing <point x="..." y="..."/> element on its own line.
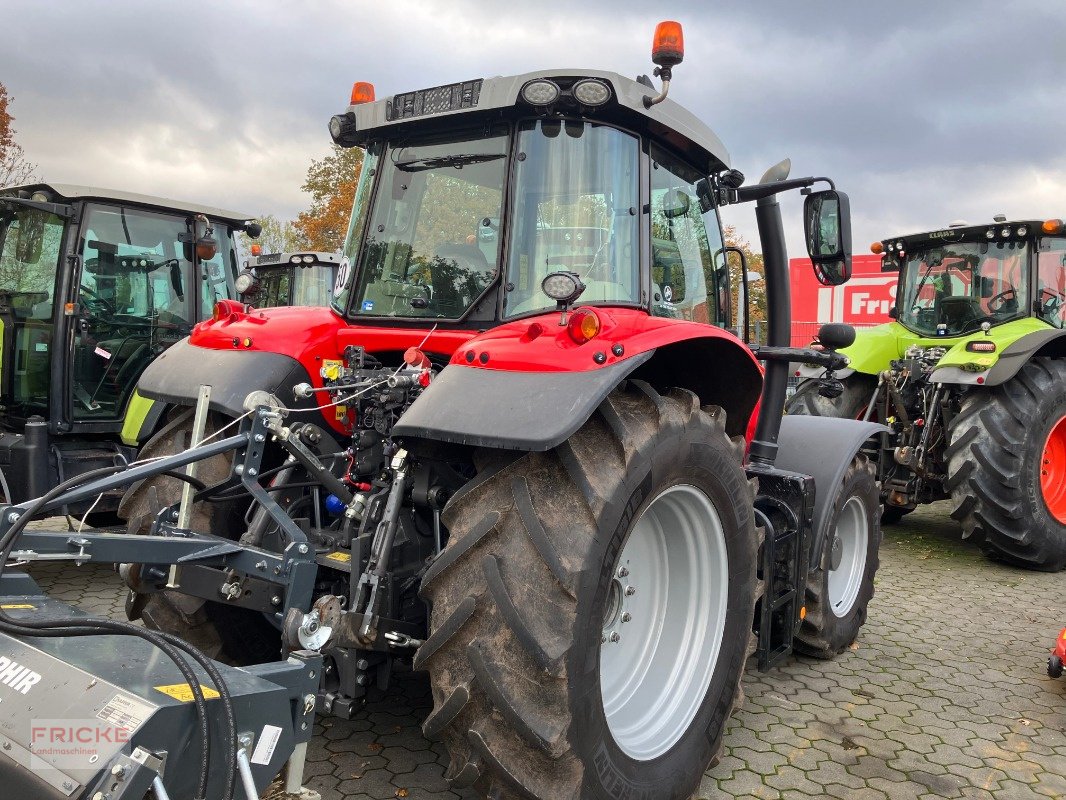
<point x="138" y="294"/>
<point x="951" y="290"/>
<point x="426" y="253"/>
<point x="575" y="209"/>
<point x="29" y="259"/>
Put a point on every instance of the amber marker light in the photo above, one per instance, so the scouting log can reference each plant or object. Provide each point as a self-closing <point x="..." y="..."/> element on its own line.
<point x="257" y="249"/>
<point x="584" y="325"/>
<point x="877" y="248"/>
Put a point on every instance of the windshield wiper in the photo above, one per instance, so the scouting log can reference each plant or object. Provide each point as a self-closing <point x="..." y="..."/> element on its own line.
<point x="457" y="161"/>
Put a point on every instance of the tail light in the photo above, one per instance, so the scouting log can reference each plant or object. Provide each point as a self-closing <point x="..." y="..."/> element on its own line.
<point x="584" y="325"/>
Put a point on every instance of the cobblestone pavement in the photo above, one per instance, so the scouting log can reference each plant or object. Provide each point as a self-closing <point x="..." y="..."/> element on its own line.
<point x="943" y="696"/>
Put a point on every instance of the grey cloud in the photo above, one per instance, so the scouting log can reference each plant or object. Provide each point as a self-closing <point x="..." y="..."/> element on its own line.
<point x="922" y="111"/>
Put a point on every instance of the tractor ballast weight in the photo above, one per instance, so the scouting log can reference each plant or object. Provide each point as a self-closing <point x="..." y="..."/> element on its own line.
<point x="524" y="409"/>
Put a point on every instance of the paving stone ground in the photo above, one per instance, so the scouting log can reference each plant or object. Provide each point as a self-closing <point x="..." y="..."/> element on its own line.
<point x="943" y="696"/>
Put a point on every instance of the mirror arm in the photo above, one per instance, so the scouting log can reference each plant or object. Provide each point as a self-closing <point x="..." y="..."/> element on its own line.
<point x="63" y="210"/>
<point x="760" y="190"/>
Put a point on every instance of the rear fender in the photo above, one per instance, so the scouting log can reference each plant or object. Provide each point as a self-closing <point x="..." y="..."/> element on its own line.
<point x="1050" y="343"/>
<point x="529" y="403"/>
<point x="822" y="447"/>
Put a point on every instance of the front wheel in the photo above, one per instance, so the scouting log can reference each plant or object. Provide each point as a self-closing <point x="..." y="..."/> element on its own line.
<point x="839" y="590"/>
<point x="591" y="614"/>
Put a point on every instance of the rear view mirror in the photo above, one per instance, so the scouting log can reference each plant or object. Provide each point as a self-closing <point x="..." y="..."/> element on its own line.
<point x="827" y="226"/>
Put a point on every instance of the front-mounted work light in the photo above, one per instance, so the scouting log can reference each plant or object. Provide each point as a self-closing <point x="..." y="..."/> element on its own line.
<point x="563" y="287"/>
<point x="591" y="92"/>
<point x="245" y="283"/>
<point x="540" y="92"/>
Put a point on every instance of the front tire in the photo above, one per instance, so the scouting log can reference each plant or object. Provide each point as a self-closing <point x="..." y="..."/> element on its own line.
<point x="1007" y="467"/>
<point x="839" y="591"/>
<point x="228" y="633"/>
<point x="529" y="697"/>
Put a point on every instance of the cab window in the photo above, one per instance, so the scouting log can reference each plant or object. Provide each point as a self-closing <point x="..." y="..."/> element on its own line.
<point x="1050" y="295"/>
<point x="688" y="271"/>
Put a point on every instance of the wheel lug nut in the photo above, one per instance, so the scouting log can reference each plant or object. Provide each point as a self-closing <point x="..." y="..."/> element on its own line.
<point x="603" y="639"/>
<point x="630" y="591"/>
<point x="615" y="637"/>
<point x="626" y="617"/>
<point x="622" y="572"/>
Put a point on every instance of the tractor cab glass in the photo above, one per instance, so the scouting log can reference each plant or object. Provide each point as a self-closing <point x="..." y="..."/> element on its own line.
<point x="689" y="277"/>
<point x="30" y="245"/>
<point x="951" y="290"/>
<point x="140" y="292"/>
<point x="576" y="202"/>
<point x="422" y="256"/>
<point x="1049" y="300"/>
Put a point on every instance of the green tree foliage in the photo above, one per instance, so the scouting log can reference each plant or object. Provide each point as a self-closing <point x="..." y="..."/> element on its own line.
<point x="331" y="182"/>
<point x="756" y="289"/>
<point x="278" y="236"/>
<point x="14" y="168"/>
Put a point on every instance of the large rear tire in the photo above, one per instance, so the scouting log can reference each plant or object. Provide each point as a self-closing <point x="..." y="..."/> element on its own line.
<point x="549" y="680"/>
<point x="228" y="633"/>
<point x="1007" y="466"/>
<point x="839" y="591"/>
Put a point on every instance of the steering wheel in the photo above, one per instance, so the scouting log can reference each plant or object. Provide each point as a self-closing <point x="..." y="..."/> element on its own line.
<point x="97" y="301"/>
<point x="996" y="302"/>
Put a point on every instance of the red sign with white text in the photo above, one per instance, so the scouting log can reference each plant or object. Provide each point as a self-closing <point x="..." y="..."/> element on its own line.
<point x="863" y="301"/>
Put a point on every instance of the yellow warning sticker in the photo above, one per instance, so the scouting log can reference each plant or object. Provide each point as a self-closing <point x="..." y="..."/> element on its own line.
<point x="337" y="555"/>
<point x="183" y="692"/>
<point x="17" y="605"/>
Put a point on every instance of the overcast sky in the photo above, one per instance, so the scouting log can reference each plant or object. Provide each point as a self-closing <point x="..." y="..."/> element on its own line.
<point x="924" y="112"/>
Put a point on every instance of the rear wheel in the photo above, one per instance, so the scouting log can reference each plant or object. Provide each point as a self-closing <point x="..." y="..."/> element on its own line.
<point x="839" y="591"/>
<point x="1007" y="466"/>
<point x="851" y="404"/>
<point x="229" y="633"/>
<point x="592" y="611"/>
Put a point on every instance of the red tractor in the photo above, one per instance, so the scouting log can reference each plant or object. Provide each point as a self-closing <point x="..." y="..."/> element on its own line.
<point x="522" y="448"/>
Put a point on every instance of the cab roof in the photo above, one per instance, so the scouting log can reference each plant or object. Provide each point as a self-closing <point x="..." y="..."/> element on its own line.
<point x="70" y="191"/>
<point x="1016" y="230"/>
<point x="667" y="121"/>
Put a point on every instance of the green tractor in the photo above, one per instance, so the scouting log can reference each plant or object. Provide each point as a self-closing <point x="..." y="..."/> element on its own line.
<point x="94" y="284"/>
<point x="970" y="375"/>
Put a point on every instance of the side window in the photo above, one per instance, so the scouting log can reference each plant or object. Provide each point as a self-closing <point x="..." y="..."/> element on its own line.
<point x="1051" y="282"/>
<point x="688" y="274"/>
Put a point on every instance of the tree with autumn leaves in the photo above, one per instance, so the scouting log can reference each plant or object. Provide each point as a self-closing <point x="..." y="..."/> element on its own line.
<point x="14" y="168"/>
<point x="331" y="183"/>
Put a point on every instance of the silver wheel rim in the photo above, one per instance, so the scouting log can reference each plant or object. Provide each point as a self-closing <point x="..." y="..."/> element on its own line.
<point x="852" y="538"/>
<point x="664" y="622"/>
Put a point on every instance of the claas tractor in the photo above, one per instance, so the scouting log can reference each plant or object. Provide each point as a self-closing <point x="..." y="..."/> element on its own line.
<point x="508" y="455"/>
<point x="94" y="284"/>
<point x="269" y="280"/>
<point x="970" y="376"/>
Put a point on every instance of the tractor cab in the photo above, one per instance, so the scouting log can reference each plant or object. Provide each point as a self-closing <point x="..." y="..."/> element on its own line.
<point x="472" y="194"/>
<point x="956" y="281"/>
<point x="288" y="279"/>
<point x="95" y="284"/>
